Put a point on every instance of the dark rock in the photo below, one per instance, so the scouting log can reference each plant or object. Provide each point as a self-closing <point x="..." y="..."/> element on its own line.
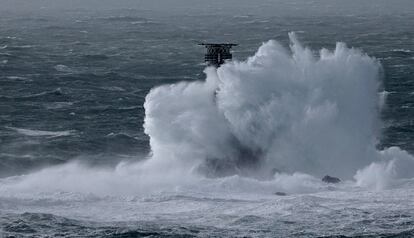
<point x="330" y="179"/>
<point x="280" y="194"/>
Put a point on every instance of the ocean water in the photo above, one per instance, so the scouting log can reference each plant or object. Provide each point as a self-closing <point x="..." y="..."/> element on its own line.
<point x="111" y="125"/>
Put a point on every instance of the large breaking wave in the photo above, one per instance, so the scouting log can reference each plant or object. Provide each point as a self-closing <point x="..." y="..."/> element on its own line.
<point x="280" y="111"/>
<point x="280" y="119"/>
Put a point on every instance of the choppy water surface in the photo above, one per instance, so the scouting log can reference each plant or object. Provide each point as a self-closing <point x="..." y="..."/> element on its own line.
<point x="73" y="84"/>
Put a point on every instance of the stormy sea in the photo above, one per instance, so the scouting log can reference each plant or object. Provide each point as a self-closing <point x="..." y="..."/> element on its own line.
<point x="112" y="125"/>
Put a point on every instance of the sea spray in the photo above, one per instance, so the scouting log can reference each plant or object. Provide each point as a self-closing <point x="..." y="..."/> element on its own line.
<point x="285" y="117"/>
<point x="392" y="166"/>
<point x="279" y="110"/>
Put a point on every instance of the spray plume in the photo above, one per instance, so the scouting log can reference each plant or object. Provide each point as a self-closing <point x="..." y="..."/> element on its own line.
<point x="281" y="116"/>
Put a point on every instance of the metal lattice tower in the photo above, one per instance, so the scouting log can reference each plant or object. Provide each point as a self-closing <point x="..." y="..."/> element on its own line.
<point x="217" y="54"/>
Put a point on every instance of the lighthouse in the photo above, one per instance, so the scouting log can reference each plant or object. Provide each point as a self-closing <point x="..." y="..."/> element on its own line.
<point x="217" y="54"/>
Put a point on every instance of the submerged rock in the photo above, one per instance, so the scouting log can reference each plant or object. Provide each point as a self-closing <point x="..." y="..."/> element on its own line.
<point x="330" y="179"/>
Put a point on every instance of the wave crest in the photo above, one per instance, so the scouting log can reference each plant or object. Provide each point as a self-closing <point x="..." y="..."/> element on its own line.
<point x="289" y="111"/>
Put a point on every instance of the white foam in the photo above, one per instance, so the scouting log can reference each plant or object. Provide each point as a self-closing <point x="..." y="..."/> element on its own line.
<point x="29" y="132"/>
<point x="304" y="113"/>
<point x="402" y="50"/>
<point x="317" y="115"/>
<point x="16" y="78"/>
<point x="393" y="164"/>
<point x="114" y="88"/>
<point x="58" y="105"/>
<point x="307" y="115"/>
<point x="63" y="68"/>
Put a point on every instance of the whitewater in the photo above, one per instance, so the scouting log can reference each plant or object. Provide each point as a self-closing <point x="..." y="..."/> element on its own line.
<point x="221" y="148"/>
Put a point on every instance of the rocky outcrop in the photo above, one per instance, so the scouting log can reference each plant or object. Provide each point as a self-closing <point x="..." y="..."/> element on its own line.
<point x="330" y="179"/>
